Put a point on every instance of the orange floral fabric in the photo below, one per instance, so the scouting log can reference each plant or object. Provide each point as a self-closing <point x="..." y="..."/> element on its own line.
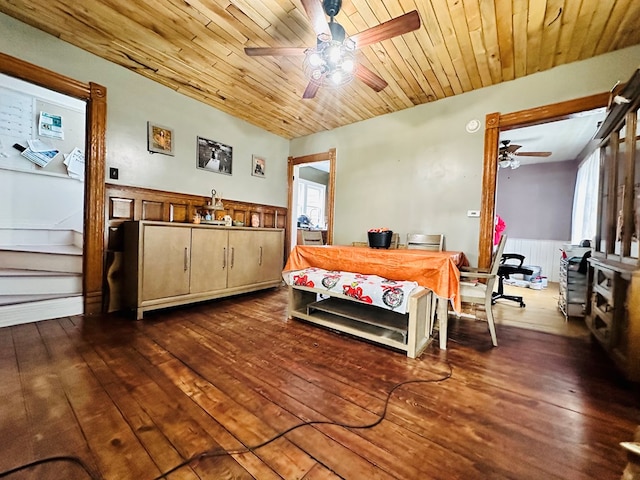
<point x="437" y="271"/>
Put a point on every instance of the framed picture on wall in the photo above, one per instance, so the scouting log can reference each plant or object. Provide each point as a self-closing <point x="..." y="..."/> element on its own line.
<point x="214" y="156"/>
<point x="160" y="139"/>
<point x="258" y="166"/>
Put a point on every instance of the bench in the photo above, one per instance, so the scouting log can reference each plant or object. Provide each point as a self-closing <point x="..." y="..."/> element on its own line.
<point x="406" y="330"/>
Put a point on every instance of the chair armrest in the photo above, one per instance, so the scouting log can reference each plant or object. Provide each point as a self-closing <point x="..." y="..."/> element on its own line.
<point x="473" y="269"/>
<point x="476" y="275"/>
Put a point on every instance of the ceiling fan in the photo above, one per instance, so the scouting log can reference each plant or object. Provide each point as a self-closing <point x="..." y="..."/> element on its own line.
<point x="508" y="153"/>
<point x="332" y="61"/>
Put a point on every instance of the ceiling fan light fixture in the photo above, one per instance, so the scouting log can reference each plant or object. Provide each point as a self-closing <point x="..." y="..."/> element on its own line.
<point x="330" y="63"/>
<point x="504" y="163"/>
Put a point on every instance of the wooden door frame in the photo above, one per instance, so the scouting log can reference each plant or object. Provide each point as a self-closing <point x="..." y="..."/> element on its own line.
<point x="494" y="124"/>
<point x="329" y="156"/>
<point x="95" y="97"/>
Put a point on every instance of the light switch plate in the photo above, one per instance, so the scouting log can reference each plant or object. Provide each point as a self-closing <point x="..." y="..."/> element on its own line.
<point x="473" y="213"/>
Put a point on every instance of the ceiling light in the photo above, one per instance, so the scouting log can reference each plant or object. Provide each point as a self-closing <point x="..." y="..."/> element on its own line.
<point x="508" y="160"/>
<point x="331" y="62"/>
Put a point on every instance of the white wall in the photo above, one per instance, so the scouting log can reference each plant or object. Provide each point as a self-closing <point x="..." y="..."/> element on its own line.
<point x="132" y="100"/>
<point x="419" y="169"/>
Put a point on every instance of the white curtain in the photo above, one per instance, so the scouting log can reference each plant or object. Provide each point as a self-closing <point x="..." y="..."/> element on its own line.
<point x="585" y="200"/>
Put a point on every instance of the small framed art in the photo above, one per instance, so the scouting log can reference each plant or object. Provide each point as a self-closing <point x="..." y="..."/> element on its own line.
<point x="258" y="166"/>
<point x="160" y="139"/>
<point x="214" y="156"/>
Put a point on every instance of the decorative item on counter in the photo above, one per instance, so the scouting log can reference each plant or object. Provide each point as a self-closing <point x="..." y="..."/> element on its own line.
<point x="255" y="220"/>
<point x="379" y="237"/>
<point x="216" y="200"/>
<point x="227" y="220"/>
<point x="197" y="218"/>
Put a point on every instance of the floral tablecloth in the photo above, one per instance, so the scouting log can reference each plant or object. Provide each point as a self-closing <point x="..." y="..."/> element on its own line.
<point x="372" y="289"/>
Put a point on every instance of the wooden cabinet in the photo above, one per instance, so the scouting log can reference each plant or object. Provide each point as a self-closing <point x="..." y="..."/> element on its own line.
<point x="172" y="264"/>
<point x="614" y="313"/>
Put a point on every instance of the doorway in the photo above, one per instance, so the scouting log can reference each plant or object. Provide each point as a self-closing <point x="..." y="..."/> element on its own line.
<point x="496" y="125"/>
<point x="95" y="97"/>
<point x="327" y="159"/>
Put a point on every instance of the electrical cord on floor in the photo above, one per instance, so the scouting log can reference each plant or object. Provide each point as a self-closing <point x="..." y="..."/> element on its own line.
<point x="218" y="452"/>
<point x="43" y="461"/>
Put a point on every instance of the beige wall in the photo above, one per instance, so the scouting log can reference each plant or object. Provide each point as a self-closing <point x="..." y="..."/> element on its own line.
<point x="132" y="100"/>
<point x="419" y="169"/>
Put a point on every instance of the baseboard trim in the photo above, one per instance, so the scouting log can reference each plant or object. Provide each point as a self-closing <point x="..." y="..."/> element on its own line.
<point x="18" y="314"/>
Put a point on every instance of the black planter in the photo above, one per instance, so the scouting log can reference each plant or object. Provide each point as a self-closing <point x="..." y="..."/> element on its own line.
<point x="380" y="239"/>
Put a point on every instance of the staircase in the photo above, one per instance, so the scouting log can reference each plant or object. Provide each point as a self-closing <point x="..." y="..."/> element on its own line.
<point x="40" y="275"/>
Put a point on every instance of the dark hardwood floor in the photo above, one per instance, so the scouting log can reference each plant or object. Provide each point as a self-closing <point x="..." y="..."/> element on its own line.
<point x="133" y="399"/>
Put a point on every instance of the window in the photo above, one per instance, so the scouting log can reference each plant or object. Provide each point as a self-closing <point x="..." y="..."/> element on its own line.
<point x="311" y="201"/>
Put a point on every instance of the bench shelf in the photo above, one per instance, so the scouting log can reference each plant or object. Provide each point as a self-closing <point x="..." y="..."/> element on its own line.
<point x="406" y="332"/>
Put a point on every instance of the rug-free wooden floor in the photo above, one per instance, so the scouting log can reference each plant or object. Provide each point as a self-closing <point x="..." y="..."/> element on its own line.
<point x="541" y="312"/>
<point x="134" y="399"/>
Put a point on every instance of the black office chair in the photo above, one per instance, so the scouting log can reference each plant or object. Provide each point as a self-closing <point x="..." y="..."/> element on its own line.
<point x="504" y="271"/>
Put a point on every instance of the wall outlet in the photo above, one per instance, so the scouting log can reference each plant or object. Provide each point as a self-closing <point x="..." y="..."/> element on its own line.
<point x="113" y="173"/>
<point x="473" y="213"/>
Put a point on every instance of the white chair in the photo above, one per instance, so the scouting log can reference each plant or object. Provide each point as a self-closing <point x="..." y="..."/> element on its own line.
<point x="425" y="242"/>
<point x="475" y="292"/>
<point x="312" y="237"/>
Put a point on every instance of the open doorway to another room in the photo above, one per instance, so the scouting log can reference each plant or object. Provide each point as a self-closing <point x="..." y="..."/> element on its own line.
<point x="311" y="195"/>
<point x="534" y="197"/>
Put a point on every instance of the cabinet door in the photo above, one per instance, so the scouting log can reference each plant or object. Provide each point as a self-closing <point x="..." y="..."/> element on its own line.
<point x="208" y="259"/>
<point x="244" y="257"/>
<point x="271" y="256"/>
<point x="165" y="261"/>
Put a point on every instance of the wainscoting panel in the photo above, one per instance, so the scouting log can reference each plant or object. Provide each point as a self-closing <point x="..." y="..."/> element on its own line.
<point x="545" y="254"/>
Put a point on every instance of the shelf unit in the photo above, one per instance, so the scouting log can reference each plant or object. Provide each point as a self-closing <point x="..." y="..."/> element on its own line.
<point x="613" y="315"/>
<point x="572" y="298"/>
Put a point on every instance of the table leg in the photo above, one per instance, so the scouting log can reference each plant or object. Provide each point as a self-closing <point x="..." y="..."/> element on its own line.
<point x="442" y="314"/>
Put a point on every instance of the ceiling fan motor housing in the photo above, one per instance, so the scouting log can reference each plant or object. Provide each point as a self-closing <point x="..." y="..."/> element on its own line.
<point x="331" y="7"/>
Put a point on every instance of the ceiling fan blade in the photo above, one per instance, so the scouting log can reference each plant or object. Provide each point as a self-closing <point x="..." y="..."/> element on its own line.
<point x="283" y="51"/>
<point x="510" y="148"/>
<point x="311" y="90"/>
<point x="316" y="15"/>
<point x="392" y="28"/>
<point x="533" y="154"/>
<point x="370" y="78"/>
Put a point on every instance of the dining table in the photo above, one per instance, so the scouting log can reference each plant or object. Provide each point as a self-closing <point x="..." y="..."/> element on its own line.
<point x="437" y="271"/>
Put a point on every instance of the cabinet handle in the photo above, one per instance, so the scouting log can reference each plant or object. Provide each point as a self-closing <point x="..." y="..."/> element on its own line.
<point x="224" y="258"/>
<point x="233" y="251"/>
<point x="260" y="262"/>
<point x="186" y="259"/>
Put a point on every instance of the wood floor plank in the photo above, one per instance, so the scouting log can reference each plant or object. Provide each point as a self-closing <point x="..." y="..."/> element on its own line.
<point x="136" y="398"/>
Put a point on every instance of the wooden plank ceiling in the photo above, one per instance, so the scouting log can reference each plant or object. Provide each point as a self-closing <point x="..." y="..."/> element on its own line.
<point x="196" y="47"/>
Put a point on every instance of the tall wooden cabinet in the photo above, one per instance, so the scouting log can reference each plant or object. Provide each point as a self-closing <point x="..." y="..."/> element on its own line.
<point x="614" y="314"/>
<point x="169" y="264"/>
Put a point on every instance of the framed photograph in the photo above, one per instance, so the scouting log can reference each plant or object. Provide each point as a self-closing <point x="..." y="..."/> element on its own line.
<point x="214" y="156"/>
<point x="159" y="139"/>
<point x="257" y="166"/>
